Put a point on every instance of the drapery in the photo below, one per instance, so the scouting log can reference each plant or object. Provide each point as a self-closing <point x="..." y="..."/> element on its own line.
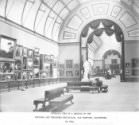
<point x="85" y="31"/>
<point x="110" y="52"/>
<point x="95" y="24"/>
<point x="90" y="38"/>
<point x="107" y="29"/>
<point x="107" y="23"/>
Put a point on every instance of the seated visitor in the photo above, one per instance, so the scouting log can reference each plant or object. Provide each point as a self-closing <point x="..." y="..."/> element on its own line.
<point x="98" y="82"/>
<point x="108" y="74"/>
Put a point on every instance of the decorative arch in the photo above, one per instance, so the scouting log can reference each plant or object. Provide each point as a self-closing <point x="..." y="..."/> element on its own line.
<point x="115" y="64"/>
<point x="97" y="31"/>
<point x="101" y="9"/>
<point x="109" y="27"/>
<point x="109" y="52"/>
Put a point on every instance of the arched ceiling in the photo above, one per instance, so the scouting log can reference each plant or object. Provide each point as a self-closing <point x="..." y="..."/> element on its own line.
<point x="44" y="17"/>
<point x="48" y="17"/>
<point x="115" y="10"/>
<point x="132" y="4"/>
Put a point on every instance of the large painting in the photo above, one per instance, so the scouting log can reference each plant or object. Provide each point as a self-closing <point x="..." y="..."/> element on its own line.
<point x="7" y="47"/>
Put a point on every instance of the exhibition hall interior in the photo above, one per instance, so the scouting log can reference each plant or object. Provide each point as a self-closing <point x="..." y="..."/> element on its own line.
<point x="69" y="55"/>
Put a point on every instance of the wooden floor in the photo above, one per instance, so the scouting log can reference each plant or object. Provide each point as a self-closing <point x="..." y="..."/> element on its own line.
<point x="121" y="97"/>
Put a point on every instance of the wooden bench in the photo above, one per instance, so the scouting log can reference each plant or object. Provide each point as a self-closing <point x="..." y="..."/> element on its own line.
<point x="78" y="85"/>
<point x="86" y="86"/>
<point x="82" y="86"/>
<point x="55" y="98"/>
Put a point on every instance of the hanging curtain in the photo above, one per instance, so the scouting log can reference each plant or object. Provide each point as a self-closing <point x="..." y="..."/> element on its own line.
<point x="85" y="31"/>
<point x="118" y="37"/>
<point x="98" y="32"/>
<point x="90" y="38"/>
<point x="110" y="52"/>
<point x="116" y="53"/>
<point x="109" y="31"/>
<point x="117" y="29"/>
<point x="107" y="23"/>
<point x="107" y="54"/>
<point x="95" y="24"/>
<point x="118" y="33"/>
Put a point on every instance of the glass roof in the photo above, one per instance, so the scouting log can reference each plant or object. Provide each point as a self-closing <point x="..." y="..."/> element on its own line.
<point x="44" y="17"/>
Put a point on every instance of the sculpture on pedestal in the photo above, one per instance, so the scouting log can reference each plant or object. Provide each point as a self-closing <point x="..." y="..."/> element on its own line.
<point x="87" y="68"/>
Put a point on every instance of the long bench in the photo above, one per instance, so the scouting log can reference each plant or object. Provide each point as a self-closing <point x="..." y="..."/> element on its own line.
<point x="86" y="86"/>
<point x="55" y="98"/>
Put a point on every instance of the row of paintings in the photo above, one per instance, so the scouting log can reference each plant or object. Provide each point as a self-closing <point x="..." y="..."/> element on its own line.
<point x="19" y="62"/>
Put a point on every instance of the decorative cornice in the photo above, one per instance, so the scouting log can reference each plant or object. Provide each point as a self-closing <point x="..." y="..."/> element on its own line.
<point x="69" y="43"/>
<point x="17" y="26"/>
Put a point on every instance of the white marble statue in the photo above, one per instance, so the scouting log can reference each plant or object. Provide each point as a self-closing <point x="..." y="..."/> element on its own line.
<point x="86" y="67"/>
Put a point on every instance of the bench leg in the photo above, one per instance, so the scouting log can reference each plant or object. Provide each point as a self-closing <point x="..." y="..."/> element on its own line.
<point x="67" y="90"/>
<point x="99" y="90"/>
<point x="71" y="102"/>
<point x="36" y="107"/>
<point x="43" y="105"/>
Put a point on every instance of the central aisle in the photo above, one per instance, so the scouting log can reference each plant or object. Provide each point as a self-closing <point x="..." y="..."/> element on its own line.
<point x="121" y="97"/>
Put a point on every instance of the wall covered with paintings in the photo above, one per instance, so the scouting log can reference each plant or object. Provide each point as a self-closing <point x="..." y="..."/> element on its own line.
<point x="25" y="55"/>
<point x="69" y="61"/>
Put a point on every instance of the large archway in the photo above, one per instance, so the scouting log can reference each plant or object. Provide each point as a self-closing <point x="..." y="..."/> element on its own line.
<point x="95" y="29"/>
<point x="112" y="61"/>
<point x="115" y="11"/>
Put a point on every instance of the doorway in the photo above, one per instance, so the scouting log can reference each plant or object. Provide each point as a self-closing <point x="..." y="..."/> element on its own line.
<point x="90" y="40"/>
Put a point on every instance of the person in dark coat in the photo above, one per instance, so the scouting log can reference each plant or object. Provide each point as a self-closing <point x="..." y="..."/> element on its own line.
<point x="98" y="83"/>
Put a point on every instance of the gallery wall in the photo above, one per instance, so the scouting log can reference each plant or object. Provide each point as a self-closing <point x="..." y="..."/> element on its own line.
<point x="28" y="39"/>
